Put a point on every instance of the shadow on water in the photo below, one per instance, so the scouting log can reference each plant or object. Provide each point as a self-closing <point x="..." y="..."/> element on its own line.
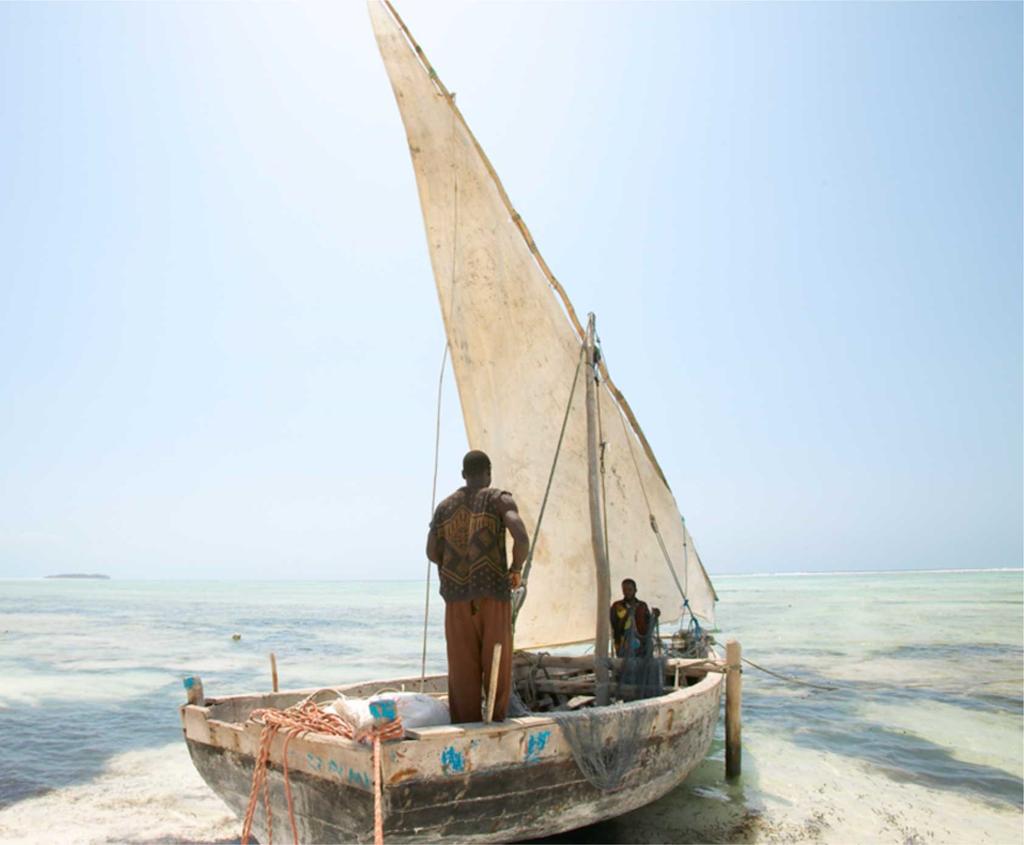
<point x="705" y="808"/>
<point x="830" y="721"/>
<point x="944" y="651"/>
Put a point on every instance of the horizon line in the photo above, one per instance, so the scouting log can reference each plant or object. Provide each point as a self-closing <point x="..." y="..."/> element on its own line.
<point x="783" y="574"/>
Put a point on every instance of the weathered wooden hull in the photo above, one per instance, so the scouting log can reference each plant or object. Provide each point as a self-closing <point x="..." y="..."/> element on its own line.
<point x="466" y="783"/>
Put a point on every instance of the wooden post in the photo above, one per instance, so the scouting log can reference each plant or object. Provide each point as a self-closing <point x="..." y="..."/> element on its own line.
<point x="604" y="588"/>
<point x="492" y="687"/>
<point x="733" y="703"/>
<point x="273" y="670"/>
<point x="194" y="690"/>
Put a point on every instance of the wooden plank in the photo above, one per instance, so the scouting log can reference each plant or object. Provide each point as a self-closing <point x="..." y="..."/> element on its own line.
<point x="586" y="684"/>
<point x="193" y="722"/>
<point x="571" y="687"/>
<point x="478" y="729"/>
<point x="586" y="661"/>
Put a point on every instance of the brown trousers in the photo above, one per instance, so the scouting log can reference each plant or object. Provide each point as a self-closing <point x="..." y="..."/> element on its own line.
<point x="471" y="629"/>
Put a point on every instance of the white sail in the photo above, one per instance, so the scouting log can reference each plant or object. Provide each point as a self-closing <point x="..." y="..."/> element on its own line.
<point x="515" y="347"/>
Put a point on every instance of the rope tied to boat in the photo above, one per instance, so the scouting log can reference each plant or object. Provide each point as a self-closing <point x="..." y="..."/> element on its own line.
<point x="303" y="718"/>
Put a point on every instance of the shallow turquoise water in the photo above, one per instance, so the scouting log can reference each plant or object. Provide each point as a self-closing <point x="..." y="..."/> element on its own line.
<point x="908" y="653"/>
<point x="927" y="670"/>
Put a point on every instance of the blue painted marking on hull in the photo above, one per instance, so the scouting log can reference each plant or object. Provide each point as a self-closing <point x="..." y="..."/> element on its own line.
<point x="452" y="761"/>
<point x="535" y="744"/>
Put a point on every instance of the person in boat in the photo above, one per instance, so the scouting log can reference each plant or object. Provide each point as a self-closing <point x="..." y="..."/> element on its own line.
<point x="631" y="619"/>
<point x="467" y="542"/>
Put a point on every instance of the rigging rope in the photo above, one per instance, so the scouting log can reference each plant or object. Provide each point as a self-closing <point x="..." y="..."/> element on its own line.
<point x="433" y="503"/>
<point x="446" y="319"/>
<point x="650" y="512"/>
<point x="520" y="599"/>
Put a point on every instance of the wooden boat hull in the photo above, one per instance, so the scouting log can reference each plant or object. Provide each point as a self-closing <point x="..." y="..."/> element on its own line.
<point x="466" y="783"/>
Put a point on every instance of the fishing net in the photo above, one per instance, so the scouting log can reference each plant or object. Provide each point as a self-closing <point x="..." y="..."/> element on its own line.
<point x="642" y="672"/>
<point x="641" y="677"/>
<point x="606" y="742"/>
<point x="516" y="706"/>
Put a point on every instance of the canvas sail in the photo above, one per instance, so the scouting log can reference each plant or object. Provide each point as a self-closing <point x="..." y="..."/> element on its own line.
<point x="515" y="347"/>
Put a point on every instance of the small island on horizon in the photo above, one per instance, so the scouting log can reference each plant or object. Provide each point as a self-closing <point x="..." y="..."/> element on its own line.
<point x="94" y="577"/>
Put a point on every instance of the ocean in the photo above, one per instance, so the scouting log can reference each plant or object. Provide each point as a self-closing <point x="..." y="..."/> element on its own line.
<point x="919" y="739"/>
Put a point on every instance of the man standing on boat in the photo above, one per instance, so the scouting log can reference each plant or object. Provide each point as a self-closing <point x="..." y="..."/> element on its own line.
<point x="631" y="620"/>
<point x="467" y="542"/>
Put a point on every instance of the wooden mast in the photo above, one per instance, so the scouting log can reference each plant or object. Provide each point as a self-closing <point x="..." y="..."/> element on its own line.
<point x="604" y="587"/>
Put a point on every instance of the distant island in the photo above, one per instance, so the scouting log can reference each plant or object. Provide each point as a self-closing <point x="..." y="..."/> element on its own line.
<point x="95" y="577"/>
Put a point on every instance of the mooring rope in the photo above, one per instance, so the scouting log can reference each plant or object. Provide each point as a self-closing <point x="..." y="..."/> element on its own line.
<point x="788" y="678"/>
<point x="307" y="718"/>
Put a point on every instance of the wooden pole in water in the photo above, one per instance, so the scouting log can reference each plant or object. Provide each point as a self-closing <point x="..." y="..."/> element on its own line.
<point x="733" y="703"/>
<point x="604" y="587"/>
<point x="273" y="670"/>
<point x="492" y="686"/>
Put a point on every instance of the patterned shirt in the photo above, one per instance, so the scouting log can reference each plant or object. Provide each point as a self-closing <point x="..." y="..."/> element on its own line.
<point x="623" y="614"/>
<point x="470" y="536"/>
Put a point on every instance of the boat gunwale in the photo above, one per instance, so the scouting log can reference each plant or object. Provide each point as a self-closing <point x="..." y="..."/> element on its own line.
<point x="432" y="732"/>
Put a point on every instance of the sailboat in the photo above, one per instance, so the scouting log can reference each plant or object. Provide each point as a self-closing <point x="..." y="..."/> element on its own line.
<point x="599" y="509"/>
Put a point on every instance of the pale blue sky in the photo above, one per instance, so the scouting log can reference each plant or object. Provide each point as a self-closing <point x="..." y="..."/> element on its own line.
<point x="799" y="226"/>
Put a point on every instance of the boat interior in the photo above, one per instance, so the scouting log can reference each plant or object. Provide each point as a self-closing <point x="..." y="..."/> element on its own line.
<point x="543" y="683"/>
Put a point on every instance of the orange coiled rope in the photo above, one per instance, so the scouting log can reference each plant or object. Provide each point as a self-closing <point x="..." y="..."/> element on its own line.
<point x="302" y="718"/>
